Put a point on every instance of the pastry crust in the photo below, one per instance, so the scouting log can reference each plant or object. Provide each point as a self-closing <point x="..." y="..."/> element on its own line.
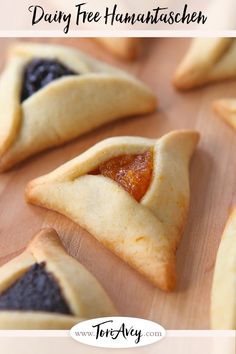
<point x="66" y="107"/>
<point x="223" y="296"/>
<point x="226" y="109"/>
<point x="82" y="292"/>
<point x="144" y="234"/>
<point x="126" y="48"/>
<point x="208" y="60"/>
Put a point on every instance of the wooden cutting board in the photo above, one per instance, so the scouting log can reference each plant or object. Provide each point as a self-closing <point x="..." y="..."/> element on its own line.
<point x="212" y="191"/>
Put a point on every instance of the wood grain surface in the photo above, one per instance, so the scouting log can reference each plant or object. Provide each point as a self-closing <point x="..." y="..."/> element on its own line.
<point x="212" y="176"/>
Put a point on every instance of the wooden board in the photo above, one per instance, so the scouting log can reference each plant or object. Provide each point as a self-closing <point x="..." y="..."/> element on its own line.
<point x="212" y="192"/>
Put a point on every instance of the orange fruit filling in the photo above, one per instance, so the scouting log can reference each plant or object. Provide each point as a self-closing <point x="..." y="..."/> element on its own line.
<point x="132" y="172"/>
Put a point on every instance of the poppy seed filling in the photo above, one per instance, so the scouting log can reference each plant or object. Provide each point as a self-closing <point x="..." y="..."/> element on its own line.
<point x="36" y="290"/>
<point x="39" y="73"/>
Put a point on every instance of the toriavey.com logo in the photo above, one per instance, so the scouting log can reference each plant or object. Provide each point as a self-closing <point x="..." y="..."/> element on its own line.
<point x="117" y="332"/>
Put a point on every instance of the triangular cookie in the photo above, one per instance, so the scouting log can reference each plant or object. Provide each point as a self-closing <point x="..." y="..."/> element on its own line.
<point x="207" y="60"/>
<point x="51" y="94"/>
<point x="132" y="194"/>
<point x="223" y="297"/>
<point x="45" y="288"/>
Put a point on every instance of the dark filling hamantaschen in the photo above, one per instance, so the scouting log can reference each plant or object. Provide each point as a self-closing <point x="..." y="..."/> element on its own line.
<point x="36" y="290"/>
<point x="39" y="73"/>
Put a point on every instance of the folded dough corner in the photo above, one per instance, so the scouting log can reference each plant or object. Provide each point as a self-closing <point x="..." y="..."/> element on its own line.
<point x="144" y="233"/>
<point x="207" y="60"/>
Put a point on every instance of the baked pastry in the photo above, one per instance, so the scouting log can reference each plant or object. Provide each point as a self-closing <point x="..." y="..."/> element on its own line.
<point x="226" y="109"/>
<point x="45" y="288"/>
<point x="51" y="94"/>
<point x="132" y="194"/>
<point x="207" y="60"/>
<point x="223" y="297"/>
<point x="123" y="47"/>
